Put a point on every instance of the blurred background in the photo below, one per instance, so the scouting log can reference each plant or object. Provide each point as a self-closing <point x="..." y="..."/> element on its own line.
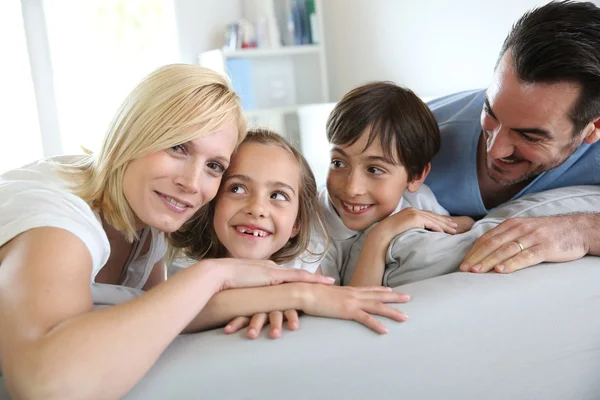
<point x="67" y="64"/>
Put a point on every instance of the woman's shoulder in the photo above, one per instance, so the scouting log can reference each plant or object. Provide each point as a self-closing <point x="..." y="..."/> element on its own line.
<point x="37" y="195"/>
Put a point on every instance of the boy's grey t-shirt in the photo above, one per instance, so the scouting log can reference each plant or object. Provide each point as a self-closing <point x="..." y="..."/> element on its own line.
<point x="344" y="250"/>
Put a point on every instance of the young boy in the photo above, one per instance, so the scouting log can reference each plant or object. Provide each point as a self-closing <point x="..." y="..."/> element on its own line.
<point x="382" y="138"/>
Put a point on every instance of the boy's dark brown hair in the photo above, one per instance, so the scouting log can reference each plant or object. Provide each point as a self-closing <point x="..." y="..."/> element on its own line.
<point x="199" y="241"/>
<point x="406" y="127"/>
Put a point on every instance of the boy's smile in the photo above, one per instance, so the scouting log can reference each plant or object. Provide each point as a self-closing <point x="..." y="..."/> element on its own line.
<point x="364" y="186"/>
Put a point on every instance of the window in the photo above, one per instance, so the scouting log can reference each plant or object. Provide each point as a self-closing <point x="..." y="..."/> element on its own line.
<point x="100" y="49"/>
<point x="20" y="139"/>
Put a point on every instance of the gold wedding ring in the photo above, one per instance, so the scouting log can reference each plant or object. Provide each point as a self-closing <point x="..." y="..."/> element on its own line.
<point x="520" y="244"/>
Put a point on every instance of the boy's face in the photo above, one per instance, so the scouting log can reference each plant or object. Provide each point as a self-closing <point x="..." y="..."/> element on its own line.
<point x="256" y="208"/>
<point x="364" y="187"/>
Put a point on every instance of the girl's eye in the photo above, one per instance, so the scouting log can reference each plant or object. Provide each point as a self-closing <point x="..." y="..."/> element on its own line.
<point x="375" y="170"/>
<point x="280" y="196"/>
<point x="237" y="189"/>
<point x="337" y="163"/>
<point x="216" y="167"/>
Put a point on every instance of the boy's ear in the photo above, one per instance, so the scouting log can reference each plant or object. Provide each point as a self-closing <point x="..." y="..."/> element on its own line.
<point x="416" y="183"/>
<point x="296" y="228"/>
<point x="594" y="134"/>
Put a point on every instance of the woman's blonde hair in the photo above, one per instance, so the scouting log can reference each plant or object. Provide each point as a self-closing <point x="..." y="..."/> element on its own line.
<point x="173" y="105"/>
<point x="198" y="237"/>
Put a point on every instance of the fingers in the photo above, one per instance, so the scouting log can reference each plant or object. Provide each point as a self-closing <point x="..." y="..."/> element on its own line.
<point x="378" y="308"/>
<point x="370" y="322"/>
<point x="439" y="223"/>
<point x="256" y="324"/>
<point x="526" y="258"/>
<point x="292" y="319"/>
<point x="276" y="321"/>
<point x="299" y="275"/>
<point x="490" y="241"/>
<point x="503" y="253"/>
<point x="236" y="324"/>
<point x="385" y="296"/>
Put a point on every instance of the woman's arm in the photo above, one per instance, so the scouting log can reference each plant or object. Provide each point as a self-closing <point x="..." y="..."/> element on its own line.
<point x="52" y="343"/>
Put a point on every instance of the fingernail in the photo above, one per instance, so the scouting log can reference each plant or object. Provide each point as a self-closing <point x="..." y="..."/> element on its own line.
<point x="500" y="268"/>
<point x="330" y="279"/>
<point x="386" y="330"/>
<point x="464" y="267"/>
<point x="251" y="332"/>
<point x="476" y="268"/>
<point x="403" y="316"/>
<point x="454" y="224"/>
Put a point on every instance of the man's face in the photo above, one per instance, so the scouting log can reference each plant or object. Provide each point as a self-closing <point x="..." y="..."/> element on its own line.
<point x="527" y="125"/>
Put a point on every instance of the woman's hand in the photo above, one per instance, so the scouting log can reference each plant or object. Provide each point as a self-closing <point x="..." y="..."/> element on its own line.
<point x="239" y="273"/>
<point x="256" y="323"/>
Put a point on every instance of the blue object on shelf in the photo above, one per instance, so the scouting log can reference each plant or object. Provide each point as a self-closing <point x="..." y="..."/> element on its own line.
<point x="240" y="71"/>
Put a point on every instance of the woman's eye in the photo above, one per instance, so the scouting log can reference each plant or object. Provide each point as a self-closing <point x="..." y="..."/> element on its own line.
<point x="216" y="167"/>
<point x="179" y="149"/>
<point x="280" y="196"/>
<point x="337" y="164"/>
<point x="237" y="189"/>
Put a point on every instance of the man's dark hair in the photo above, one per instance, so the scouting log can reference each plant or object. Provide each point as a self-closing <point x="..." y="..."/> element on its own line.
<point x="560" y="42"/>
<point x="407" y="129"/>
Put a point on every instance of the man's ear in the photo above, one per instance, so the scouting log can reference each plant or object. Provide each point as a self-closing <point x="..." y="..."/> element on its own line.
<point x="594" y="135"/>
<point x="296" y="228"/>
<point x="416" y="183"/>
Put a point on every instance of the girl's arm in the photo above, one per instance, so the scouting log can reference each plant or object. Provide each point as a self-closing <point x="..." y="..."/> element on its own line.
<point x="52" y="343"/>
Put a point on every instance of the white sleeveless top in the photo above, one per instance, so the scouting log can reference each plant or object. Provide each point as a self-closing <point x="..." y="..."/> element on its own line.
<point x="35" y="196"/>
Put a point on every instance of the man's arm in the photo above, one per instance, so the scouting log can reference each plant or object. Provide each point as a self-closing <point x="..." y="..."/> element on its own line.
<point x="519" y="243"/>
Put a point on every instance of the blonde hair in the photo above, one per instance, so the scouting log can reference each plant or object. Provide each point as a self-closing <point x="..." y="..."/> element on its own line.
<point x="198" y="237"/>
<point x="173" y="105"/>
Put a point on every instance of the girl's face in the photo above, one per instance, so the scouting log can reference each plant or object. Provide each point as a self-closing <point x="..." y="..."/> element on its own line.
<point x="165" y="189"/>
<point x="256" y="208"/>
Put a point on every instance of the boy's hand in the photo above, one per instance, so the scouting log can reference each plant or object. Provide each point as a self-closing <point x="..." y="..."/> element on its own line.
<point x="464" y="223"/>
<point x="410" y="218"/>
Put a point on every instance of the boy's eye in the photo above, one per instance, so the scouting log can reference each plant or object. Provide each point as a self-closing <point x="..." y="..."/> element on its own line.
<point x="337" y="164"/>
<point x="375" y="170"/>
<point x="237" y="189"/>
<point x="280" y="196"/>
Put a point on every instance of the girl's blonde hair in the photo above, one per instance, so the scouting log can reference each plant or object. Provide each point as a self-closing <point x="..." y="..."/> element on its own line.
<point x="198" y="238"/>
<point x="173" y="105"/>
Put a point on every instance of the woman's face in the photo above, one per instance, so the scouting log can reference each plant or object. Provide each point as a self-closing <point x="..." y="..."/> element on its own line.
<point x="164" y="189"/>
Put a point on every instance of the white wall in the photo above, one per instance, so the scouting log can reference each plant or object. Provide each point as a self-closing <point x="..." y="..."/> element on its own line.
<point x="201" y="24"/>
<point x="434" y="47"/>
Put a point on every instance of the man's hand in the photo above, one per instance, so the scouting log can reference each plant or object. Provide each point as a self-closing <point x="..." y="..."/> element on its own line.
<point x="519" y="243"/>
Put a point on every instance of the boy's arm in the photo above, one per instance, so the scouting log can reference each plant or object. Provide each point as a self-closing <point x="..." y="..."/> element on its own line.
<point x="371" y="263"/>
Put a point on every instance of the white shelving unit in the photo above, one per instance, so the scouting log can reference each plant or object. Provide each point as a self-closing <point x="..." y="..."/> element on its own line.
<point x="280" y="80"/>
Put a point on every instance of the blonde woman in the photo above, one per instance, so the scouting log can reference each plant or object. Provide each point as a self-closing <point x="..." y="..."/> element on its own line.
<point x="69" y="222"/>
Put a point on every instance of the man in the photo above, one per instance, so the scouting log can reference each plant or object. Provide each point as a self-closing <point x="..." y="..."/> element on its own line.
<point x="535" y="128"/>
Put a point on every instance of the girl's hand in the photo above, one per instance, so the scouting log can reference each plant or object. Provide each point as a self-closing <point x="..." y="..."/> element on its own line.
<point x="238" y="273"/>
<point x="354" y="303"/>
<point x="256" y="323"/>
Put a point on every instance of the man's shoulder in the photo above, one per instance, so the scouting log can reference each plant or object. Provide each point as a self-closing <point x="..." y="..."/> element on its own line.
<point x="457" y="107"/>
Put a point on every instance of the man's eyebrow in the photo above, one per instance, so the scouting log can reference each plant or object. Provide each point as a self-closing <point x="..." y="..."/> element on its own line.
<point x="246" y="179"/>
<point x="534" y="131"/>
<point x="488" y="108"/>
<point x="524" y="131"/>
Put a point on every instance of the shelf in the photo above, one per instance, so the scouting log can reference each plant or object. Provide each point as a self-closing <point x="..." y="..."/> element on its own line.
<point x="273" y="52"/>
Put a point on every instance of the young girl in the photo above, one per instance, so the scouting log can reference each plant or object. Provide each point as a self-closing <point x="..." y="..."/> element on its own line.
<point x="266" y="209"/>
